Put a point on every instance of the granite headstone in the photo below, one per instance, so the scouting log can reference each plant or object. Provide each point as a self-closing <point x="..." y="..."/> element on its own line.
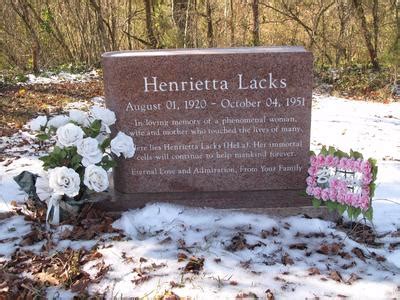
<point x="226" y="128"/>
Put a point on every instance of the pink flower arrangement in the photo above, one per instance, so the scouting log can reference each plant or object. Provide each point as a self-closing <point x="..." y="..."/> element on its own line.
<point x="356" y="194"/>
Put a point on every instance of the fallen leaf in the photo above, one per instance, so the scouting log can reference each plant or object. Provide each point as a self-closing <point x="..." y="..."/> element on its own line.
<point x="238" y="242"/>
<point x="167" y="240"/>
<point x="359" y="253"/>
<point x="195" y="265"/>
<point x="348" y="266"/>
<point x="246" y="296"/>
<point x="298" y="246"/>
<point x="269" y="295"/>
<point x="141" y="279"/>
<point x="168" y="295"/>
<point x="80" y="284"/>
<point x="287" y="260"/>
<point x="335" y="275"/>
<point x="324" y="249"/>
<point x="267" y="233"/>
<point x="182" y="257"/>
<point x="335" y="248"/>
<point x="313" y="271"/>
<point x="353" y="277"/>
<point x="47" y="278"/>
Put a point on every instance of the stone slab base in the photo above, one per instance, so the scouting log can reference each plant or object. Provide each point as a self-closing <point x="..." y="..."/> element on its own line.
<point x="273" y="203"/>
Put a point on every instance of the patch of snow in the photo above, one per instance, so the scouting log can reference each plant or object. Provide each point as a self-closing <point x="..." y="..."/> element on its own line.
<point x="49" y="77"/>
<point x="11" y="231"/>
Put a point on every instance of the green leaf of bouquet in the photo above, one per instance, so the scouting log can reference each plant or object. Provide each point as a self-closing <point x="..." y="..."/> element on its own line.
<point x="369" y="214"/>
<point x="75" y="161"/>
<point x="372" y="161"/>
<point x="331" y="205"/>
<point x="316" y="203"/>
<point x="341" y="208"/>
<point x="374" y="172"/>
<point x="331" y="150"/>
<point x="372" y="188"/>
<point x="323" y="150"/>
<point x="350" y="211"/>
<point x="42" y="136"/>
<point x="105" y="144"/>
<point x="311" y="153"/>
<point x="356" y="213"/>
<point x="96" y="125"/>
<point x="340" y="154"/>
<point x="355" y="154"/>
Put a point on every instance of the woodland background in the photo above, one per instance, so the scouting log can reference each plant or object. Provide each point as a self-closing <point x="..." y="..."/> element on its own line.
<point x="350" y="39"/>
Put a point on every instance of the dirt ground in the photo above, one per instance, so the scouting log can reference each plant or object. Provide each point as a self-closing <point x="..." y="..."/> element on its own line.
<point x="18" y="104"/>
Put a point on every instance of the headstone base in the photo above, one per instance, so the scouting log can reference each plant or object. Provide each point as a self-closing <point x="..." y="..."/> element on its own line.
<point x="251" y="202"/>
<point x="119" y="202"/>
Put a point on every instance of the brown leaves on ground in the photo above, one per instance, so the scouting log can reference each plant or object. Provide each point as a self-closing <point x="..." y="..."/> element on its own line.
<point x="246" y="296"/>
<point x="195" y="265"/>
<point x="359" y="253"/>
<point x="335" y="275"/>
<point x="361" y="233"/>
<point x="91" y="223"/>
<point x="32" y="210"/>
<point x="313" y="271"/>
<point x="62" y="268"/>
<point x="287" y="260"/>
<point x="19" y="104"/>
<point x="266" y="233"/>
<point x="146" y="272"/>
<point x="330" y="249"/>
<point x="239" y="242"/>
<point x="168" y="295"/>
<point x="298" y="246"/>
<point x="14" y="287"/>
<point x="269" y="295"/>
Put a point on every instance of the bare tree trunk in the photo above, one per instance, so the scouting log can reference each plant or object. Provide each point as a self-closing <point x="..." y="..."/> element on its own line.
<point x="149" y="24"/>
<point x="256" y="23"/>
<point x="55" y="31"/>
<point x="182" y="18"/>
<point x="210" y="31"/>
<point x="232" y="23"/>
<point x="100" y="25"/>
<point x="343" y="15"/>
<point x="367" y="35"/>
<point x="21" y="9"/>
<point x="129" y="24"/>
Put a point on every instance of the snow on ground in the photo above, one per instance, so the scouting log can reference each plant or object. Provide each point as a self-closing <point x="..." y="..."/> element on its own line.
<point x="60" y="77"/>
<point x="294" y="257"/>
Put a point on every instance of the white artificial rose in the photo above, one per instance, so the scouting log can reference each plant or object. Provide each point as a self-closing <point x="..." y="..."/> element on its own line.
<point x="123" y="144"/>
<point x="78" y="116"/>
<point x="43" y="190"/>
<point x="64" y="181"/>
<point x="58" y="121"/>
<point x="106" y="116"/>
<point x="69" y="135"/>
<point x="37" y="123"/>
<point x="90" y="151"/>
<point x="96" y="178"/>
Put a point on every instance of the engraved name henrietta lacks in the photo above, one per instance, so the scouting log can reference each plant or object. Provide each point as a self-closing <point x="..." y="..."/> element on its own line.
<point x="154" y="84"/>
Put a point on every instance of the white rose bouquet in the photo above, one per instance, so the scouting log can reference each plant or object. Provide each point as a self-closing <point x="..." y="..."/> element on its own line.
<point x="83" y="154"/>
